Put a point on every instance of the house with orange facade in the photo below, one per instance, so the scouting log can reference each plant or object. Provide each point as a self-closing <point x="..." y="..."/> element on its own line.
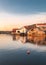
<point x="42" y="26"/>
<point x="39" y="30"/>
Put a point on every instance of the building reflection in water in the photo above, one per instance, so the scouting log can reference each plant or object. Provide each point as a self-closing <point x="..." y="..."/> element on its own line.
<point x="31" y="39"/>
<point x="16" y="37"/>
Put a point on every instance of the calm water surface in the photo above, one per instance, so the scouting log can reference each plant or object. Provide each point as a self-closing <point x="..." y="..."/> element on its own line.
<point x="14" y="50"/>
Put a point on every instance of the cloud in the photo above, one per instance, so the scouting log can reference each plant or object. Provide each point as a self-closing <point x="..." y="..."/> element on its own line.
<point x="9" y="20"/>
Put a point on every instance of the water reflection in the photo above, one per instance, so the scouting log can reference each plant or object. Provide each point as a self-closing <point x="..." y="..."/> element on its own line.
<point x="31" y="39"/>
<point x="16" y="37"/>
<point x="13" y="52"/>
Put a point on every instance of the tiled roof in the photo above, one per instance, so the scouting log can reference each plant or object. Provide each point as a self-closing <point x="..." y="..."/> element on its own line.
<point x="42" y="24"/>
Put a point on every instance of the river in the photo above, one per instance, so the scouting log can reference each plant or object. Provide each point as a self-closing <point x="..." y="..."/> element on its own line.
<point x="18" y="50"/>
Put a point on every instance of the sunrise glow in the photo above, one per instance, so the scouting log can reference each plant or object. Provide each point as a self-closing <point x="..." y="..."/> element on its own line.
<point x="9" y="21"/>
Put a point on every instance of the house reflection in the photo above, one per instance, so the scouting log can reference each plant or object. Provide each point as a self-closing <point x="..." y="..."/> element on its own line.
<point x="23" y="39"/>
<point x="16" y="37"/>
<point x="31" y="39"/>
<point x="37" y="40"/>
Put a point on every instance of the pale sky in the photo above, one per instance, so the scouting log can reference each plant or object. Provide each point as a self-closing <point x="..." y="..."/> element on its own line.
<point x="17" y="13"/>
<point x="8" y="21"/>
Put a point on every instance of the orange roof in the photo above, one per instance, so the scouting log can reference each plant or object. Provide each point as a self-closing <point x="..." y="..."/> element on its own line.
<point x="14" y="29"/>
<point x="42" y="24"/>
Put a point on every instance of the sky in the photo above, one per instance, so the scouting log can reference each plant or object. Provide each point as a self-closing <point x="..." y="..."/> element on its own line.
<point x="18" y="13"/>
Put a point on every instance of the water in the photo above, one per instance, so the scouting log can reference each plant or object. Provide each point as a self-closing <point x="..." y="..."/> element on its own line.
<point x="14" y="50"/>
